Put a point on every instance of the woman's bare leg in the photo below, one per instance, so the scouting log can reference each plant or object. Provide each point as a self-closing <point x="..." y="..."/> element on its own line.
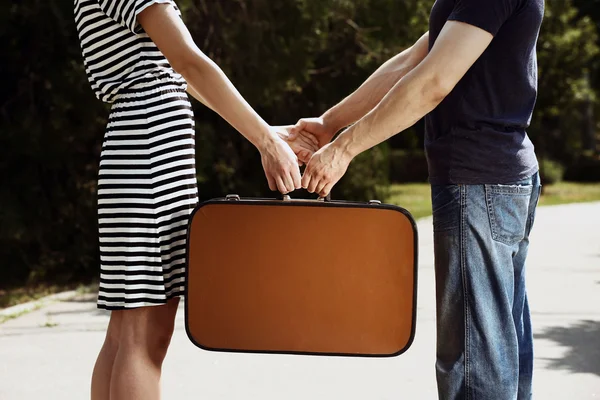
<point x="104" y="364"/>
<point x="144" y="338"/>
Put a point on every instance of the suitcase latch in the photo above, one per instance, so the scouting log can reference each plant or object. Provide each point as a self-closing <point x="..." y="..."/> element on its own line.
<point x="374" y="202"/>
<point x="232" y="197"/>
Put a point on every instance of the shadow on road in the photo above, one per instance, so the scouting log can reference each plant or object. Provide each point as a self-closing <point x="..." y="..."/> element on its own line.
<point x="583" y="346"/>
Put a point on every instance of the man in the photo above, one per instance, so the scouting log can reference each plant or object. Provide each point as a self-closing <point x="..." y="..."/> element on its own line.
<point x="474" y="78"/>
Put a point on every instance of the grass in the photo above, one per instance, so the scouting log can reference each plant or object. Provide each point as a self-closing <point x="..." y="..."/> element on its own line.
<point x="416" y="197"/>
<point x="20" y="295"/>
<point x="569" y="192"/>
<point x="49" y="324"/>
<point x="4" y="318"/>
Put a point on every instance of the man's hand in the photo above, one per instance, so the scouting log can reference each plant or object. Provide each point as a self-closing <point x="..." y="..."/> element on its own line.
<point x="303" y="145"/>
<point x="318" y="127"/>
<point x="280" y="163"/>
<point x="325" y="169"/>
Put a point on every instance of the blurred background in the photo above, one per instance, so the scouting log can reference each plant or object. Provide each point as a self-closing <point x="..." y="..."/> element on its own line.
<point x="305" y="56"/>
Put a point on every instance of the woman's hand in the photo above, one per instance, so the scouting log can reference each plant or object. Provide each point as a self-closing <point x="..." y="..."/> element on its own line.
<point x="279" y="162"/>
<point x="320" y="128"/>
<point x="304" y="144"/>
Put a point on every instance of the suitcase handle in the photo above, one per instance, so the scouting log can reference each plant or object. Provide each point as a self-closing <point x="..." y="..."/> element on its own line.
<point x="287" y="197"/>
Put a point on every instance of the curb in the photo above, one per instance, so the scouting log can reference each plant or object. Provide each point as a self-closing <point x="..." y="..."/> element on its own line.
<point x="36" y="304"/>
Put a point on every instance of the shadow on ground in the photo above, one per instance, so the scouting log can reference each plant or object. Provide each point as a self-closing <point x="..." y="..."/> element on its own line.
<point x="582" y="341"/>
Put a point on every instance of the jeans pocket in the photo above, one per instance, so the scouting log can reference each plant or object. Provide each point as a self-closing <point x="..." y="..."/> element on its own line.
<point x="508" y="211"/>
<point x="445" y="204"/>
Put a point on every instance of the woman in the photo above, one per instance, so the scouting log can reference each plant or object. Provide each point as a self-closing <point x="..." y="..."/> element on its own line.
<point x="140" y="57"/>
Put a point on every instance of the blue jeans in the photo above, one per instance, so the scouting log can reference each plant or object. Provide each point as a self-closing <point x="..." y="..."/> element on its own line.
<point x="484" y="337"/>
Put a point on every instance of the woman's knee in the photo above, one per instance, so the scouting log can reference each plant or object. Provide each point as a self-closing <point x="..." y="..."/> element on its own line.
<point x="113" y="333"/>
<point x="148" y="330"/>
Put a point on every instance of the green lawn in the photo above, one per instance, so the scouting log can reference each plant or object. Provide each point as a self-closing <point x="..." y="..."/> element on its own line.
<point x="415" y="197"/>
<point x="568" y="192"/>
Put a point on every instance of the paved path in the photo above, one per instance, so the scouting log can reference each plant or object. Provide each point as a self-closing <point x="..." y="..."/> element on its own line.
<point x="49" y="353"/>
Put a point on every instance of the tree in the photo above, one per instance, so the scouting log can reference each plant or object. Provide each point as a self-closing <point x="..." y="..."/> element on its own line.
<point x="566" y="49"/>
<point x="305" y="55"/>
<point x="290" y="59"/>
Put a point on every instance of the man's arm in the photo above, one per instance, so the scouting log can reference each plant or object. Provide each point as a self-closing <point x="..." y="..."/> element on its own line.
<point x="367" y="96"/>
<point x="370" y="93"/>
<point x="456" y="49"/>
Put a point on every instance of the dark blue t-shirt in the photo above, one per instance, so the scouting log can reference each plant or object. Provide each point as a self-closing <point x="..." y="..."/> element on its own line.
<point x="477" y="133"/>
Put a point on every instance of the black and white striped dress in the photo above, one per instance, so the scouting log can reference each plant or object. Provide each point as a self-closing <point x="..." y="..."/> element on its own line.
<point x="147" y="177"/>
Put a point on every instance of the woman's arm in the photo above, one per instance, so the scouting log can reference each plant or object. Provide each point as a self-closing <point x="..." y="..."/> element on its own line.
<point x="194" y="93"/>
<point x="169" y="33"/>
<point x="304" y="144"/>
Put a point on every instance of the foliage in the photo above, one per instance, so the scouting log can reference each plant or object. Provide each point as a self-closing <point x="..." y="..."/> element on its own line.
<point x="566" y="50"/>
<point x="300" y="68"/>
<point x="551" y="171"/>
<point x="290" y="59"/>
<point x="585" y="168"/>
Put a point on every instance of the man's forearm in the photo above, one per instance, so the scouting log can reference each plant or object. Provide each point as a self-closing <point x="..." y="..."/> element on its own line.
<point x="415" y="95"/>
<point x="457" y="48"/>
<point x="372" y="91"/>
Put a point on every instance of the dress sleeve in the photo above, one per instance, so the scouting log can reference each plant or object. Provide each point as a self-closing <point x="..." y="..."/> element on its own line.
<point x="125" y="12"/>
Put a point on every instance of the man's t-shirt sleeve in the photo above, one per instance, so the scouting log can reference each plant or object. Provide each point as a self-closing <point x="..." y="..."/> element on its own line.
<point x="488" y="15"/>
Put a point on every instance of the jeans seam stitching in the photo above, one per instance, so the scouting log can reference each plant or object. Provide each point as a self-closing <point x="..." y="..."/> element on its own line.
<point x="463" y="198"/>
<point x="491" y="215"/>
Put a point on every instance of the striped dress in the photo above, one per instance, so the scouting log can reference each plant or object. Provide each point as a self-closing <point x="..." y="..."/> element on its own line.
<point x="146" y="183"/>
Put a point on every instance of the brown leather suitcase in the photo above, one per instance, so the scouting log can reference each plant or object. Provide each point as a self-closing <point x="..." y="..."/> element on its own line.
<point x="301" y="277"/>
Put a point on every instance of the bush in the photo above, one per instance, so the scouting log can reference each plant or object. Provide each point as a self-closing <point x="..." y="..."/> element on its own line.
<point x="408" y="166"/>
<point x="586" y="168"/>
<point x="551" y="171"/>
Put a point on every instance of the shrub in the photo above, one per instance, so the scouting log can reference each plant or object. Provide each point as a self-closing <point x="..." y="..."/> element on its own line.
<point x="586" y="168"/>
<point x="551" y="172"/>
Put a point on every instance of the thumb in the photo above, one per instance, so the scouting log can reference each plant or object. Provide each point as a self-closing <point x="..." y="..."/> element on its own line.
<point x="297" y="129"/>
